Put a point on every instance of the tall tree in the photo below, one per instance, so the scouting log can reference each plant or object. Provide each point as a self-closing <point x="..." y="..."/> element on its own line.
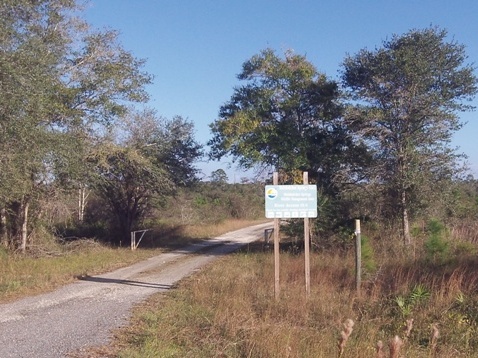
<point x="408" y="93"/>
<point x="127" y="181"/>
<point x="59" y="82"/>
<point x="30" y="49"/>
<point x="286" y="116"/>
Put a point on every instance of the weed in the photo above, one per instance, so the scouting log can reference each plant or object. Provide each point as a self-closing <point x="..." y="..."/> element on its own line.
<point x="240" y="318"/>
<point x="416" y="296"/>
<point x="395" y="345"/>
<point x="344" y="335"/>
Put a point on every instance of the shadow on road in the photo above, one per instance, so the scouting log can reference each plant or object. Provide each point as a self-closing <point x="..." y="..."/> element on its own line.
<point x="159" y="286"/>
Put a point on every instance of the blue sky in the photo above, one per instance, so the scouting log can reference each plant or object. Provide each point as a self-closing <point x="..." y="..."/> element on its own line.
<point x="195" y="48"/>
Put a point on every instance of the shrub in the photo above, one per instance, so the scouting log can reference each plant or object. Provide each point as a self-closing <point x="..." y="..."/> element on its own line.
<point x="436" y="246"/>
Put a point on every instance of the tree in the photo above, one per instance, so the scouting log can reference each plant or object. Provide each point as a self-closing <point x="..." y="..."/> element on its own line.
<point x="60" y="82"/>
<point x="287" y="116"/>
<point x="143" y="161"/>
<point x="31" y="47"/>
<point x="408" y="93"/>
<point x="219" y="176"/>
<point x="127" y="181"/>
<point x="170" y="142"/>
<point x="180" y="150"/>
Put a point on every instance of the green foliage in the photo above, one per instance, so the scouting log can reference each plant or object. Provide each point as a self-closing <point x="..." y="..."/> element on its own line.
<point x="462" y="203"/>
<point x="200" y="201"/>
<point x="287" y="117"/>
<point x="219" y="176"/>
<point x="417" y="296"/>
<point x="416" y="230"/>
<point x="465" y="249"/>
<point x="463" y="317"/>
<point x="93" y="227"/>
<point x="126" y="181"/>
<point x="61" y="83"/>
<point x="66" y="124"/>
<point x="208" y="202"/>
<point x="407" y="93"/>
<point x="436" y="246"/>
<point x="435" y="228"/>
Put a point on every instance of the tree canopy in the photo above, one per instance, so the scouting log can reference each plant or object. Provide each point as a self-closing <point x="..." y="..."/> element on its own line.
<point x="286" y="116"/>
<point x="64" y="86"/>
<point x="407" y="94"/>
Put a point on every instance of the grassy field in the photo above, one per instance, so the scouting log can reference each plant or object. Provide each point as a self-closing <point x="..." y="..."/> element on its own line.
<point x="410" y="305"/>
<point x="416" y="302"/>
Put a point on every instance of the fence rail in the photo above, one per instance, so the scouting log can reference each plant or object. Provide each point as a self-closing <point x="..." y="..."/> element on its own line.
<point x="135" y="245"/>
<point x="268" y="235"/>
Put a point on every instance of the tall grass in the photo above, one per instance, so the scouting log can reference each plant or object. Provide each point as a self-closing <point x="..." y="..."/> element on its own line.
<point x="413" y="306"/>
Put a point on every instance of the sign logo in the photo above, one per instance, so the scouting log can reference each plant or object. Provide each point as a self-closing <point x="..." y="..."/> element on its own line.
<point x="271" y="193"/>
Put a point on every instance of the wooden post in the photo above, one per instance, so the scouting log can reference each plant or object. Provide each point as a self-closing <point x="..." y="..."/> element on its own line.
<point x="275" y="181"/>
<point x="358" y="256"/>
<point x="133" y="243"/>
<point x="307" y="244"/>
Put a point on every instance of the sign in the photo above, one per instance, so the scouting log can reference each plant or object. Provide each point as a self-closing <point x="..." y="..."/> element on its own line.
<point x="291" y="201"/>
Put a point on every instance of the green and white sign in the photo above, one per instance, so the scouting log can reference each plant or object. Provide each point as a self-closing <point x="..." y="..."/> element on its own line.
<point x="291" y="201"/>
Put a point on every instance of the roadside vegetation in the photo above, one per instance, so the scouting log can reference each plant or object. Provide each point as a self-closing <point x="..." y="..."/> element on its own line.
<point x="427" y="298"/>
<point x="52" y="261"/>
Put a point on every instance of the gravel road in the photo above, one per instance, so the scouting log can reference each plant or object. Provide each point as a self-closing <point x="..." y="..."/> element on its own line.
<point x="84" y="313"/>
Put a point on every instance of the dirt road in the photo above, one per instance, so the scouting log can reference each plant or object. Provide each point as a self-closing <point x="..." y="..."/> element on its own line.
<point x="84" y="313"/>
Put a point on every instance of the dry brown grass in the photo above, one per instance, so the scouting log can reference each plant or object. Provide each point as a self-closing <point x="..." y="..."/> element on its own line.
<point x="465" y="230"/>
<point x="229" y="310"/>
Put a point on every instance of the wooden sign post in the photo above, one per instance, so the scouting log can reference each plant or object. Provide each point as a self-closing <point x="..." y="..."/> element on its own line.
<point x="275" y="181"/>
<point x="358" y="256"/>
<point x="306" y="244"/>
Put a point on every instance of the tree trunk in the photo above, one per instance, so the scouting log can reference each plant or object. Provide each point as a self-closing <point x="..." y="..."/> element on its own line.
<point x="82" y="196"/>
<point x="24" y="232"/>
<point x="405" y="222"/>
<point x="131" y="217"/>
<point x="3" y="227"/>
